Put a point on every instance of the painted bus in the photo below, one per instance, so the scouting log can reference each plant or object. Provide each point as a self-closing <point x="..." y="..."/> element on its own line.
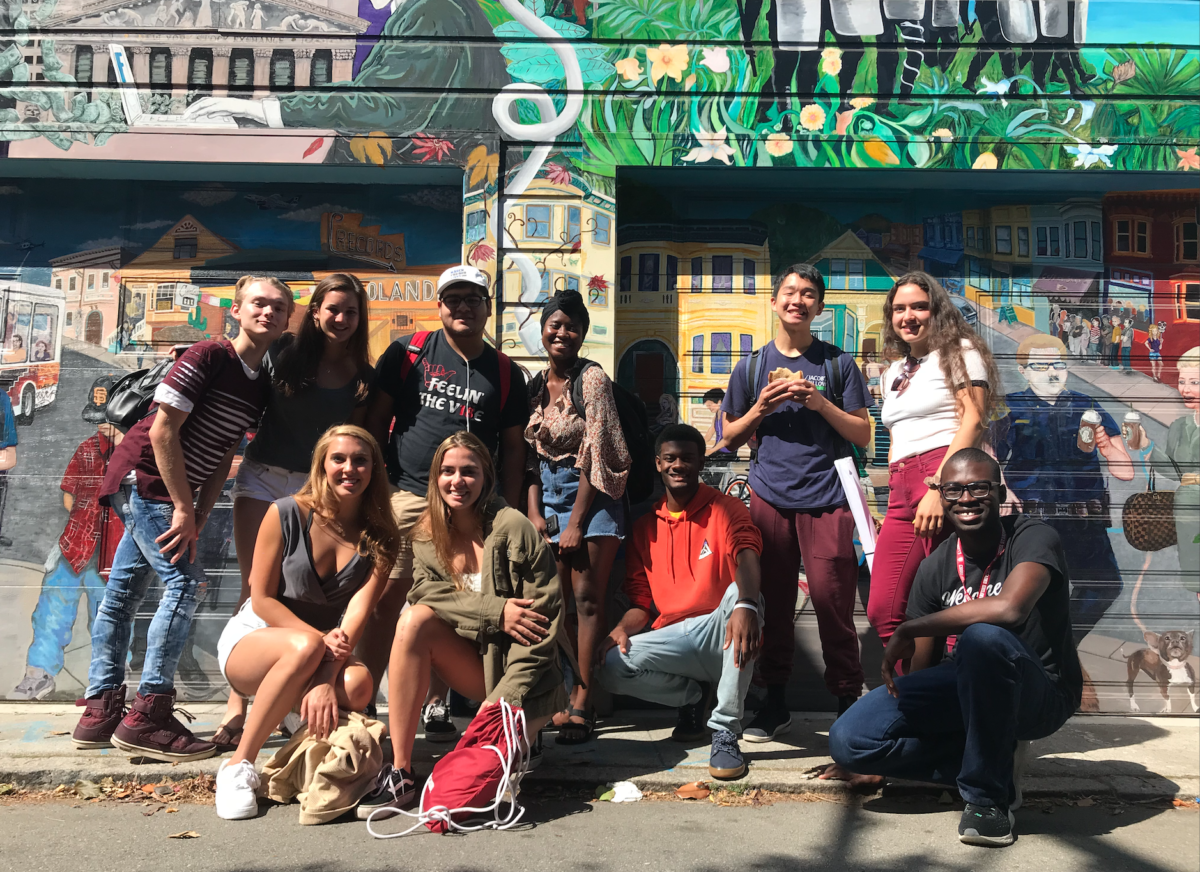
<point x="31" y="345"/>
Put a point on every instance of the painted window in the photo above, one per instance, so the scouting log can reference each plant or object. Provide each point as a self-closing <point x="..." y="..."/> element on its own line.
<point x="572" y="283"/>
<point x="16" y="332"/>
<point x="185" y="247"/>
<point x="602" y="235"/>
<point x="1097" y="241"/>
<point x="745" y="345"/>
<point x="698" y="353"/>
<point x="849" y="331"/>
<point x="322" y="67"/>
<point x="58" y="284"/>
<point x="1055" y="243"/>
<point x="476" y="225"/>
<point x="722" y="276"/>
<point x="1141" y="239"/>
<point x="985" y="238"/>
<point x="672" y="273"/>
<point x="697" y="274"/>
<point x="749" y="267"/>
<point x="1081" y="239"/>
<point x="160" y="68"/>
<point x="822" y="325"/>
<point x="200" y="69"/>
<point x="544" y="291"/>
<point x="283" y="69"/>
<point x="91" y="281"/>
<point x="1043" y="244"/>
<point x="722" y="353"/>
<point x="164" y="297"/>
<point x="1121" y="232"/>
<point x="847" y="274"/>
<point x="71" y="283"/>
<point x="83" y="64"/>
<point x="1022" y="290"/>
<point x="1022" y="242"/>
<point x="648" y="273"/>
<point x="970" y="237"/>
<point x="1004" y="239"/>
<point x="537" y="222"/>
<point x="573" y="223"/>
<point x="1186" y="242"/>
<point x="45" y="332"/>
<point x="241" y="69"/>
<point x="1188" y="294"/>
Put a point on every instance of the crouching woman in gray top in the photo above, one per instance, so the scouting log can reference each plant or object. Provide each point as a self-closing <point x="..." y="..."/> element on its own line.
<point x="320" y="565"/>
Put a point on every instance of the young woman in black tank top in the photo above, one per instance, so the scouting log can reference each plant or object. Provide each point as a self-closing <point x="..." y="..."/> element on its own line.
<point x="320" y="565"/>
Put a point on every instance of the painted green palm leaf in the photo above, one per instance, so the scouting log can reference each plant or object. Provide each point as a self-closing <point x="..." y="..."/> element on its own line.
<point x="531" y="60"/>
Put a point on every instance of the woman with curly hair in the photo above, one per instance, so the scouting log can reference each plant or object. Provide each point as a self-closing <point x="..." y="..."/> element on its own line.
<point x="319" y="377"/>
<point x="938" y="397"/>
<point x="321" y="561"/>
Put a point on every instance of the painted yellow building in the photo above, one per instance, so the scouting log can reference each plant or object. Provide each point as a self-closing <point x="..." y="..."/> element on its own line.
<point x="856" y="283"/>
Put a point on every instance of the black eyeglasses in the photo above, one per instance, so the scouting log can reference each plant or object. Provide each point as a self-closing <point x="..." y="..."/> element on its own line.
<point x="471" y="301"/>
<point x="953" y="491"/>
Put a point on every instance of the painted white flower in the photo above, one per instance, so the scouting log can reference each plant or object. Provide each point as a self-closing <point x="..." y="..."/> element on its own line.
<point x="1090" y="155"/>
<point x="716" y="59"/>
<point x="712" y="147"/>
<point x="1000" y="88"/>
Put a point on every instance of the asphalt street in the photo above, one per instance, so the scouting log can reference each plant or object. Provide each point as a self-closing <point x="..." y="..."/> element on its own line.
<point x="567" y="834"/>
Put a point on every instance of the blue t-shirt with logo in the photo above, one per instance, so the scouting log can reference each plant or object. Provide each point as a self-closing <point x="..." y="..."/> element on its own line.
<point x="796" y="446"/>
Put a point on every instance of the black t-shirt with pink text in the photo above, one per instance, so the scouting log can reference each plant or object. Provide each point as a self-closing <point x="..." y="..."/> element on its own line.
<point x="1047" y="630"/>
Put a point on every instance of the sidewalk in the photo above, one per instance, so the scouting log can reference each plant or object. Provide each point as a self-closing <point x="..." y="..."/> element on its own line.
<point x="1134" y="758"/>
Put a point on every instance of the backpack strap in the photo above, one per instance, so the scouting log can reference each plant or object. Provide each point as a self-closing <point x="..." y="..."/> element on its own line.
<point x="505" y="378"/>
<point x="416" y="350"/>
<point x="577" y="386"/>
<point x="835" y="377"/>
<point x="752" y="374"/>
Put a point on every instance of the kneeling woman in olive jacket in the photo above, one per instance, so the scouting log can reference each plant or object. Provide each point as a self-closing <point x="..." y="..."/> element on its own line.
<point x="485" y="610"/>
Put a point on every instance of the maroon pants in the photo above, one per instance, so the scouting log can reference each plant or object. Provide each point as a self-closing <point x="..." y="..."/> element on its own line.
<point x="899" y="551"/>
<point x="825" y="538"/>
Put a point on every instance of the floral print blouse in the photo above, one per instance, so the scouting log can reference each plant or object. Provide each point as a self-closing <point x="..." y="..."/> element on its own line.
<point x="556" y="431"/>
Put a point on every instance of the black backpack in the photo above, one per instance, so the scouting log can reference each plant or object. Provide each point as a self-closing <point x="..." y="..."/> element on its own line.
<point x="835" y="384"/>
<point x="129" y="400"/>
<point x="635" y="427"/>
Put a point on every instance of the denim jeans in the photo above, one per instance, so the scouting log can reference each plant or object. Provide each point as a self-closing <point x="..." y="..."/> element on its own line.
<point x="136" y="560"/>
<point x="667" y="664"/>
<point x="957" y="722"/>
<point x="56" y="610"/>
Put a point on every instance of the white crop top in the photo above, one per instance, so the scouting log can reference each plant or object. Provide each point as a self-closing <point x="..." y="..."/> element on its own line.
<point x="923" y="417"/>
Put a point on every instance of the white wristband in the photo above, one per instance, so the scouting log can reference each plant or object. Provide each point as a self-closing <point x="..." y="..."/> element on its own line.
<point x="746" y="606"/>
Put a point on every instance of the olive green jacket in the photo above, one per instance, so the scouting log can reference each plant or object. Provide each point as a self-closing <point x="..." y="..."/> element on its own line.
<point x="517" y="563"/>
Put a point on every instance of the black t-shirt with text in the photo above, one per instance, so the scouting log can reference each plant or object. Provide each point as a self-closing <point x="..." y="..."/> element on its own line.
<point x="442" y="395"/>
<point x="1047" y="630"/>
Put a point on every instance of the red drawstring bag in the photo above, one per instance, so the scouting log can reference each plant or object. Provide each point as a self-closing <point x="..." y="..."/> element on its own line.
<point x="479" y="776"/>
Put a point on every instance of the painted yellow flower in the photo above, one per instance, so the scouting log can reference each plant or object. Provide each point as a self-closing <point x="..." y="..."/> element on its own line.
<point x="667" y="60"/>
<point x="861" y="102"/>
<point x="944" y="133"/>
<point x="629" y="68"/>
<point x="831" y="66"/>
<point x="831" y="54"/>
<point x="812" y="117"/>
<point x="986" y="161"/>
<point x="779" y="144"/>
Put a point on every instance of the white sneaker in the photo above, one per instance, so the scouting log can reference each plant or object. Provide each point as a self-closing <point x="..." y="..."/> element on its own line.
<point x="236" y="786"/>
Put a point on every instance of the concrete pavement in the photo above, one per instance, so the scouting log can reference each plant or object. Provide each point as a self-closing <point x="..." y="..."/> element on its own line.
<point x="1128" y="757"/>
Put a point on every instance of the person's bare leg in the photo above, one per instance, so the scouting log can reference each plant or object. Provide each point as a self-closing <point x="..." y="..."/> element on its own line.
<point x="274" y="665"/>
<point x="569" y="626"/>
<point x="424" y="642"/>
<point x="247" y="518"/>
<point x="375" y="647"/>
<point x="590" y="569"/>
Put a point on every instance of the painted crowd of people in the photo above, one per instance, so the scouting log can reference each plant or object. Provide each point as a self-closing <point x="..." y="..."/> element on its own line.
<point x="436" y="522"/>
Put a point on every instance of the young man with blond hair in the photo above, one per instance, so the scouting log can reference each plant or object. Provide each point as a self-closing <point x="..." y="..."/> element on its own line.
<point x="163" y="480"/>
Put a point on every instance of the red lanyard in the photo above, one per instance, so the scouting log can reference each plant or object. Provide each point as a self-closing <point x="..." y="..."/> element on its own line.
<point x="987" y="573"/>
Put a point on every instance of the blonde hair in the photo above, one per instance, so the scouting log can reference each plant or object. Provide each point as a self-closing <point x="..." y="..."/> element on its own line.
<point x="434" y="524"/>
<point x="239" y="290"/>
<point x="380" y="537"/>
<point x="1190" y="359"/>
<point x="1038" y="340"/>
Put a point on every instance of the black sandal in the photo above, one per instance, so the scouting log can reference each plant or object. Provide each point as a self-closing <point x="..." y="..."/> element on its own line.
<point x="580" y="733"/>
<point x="234" y="737"/>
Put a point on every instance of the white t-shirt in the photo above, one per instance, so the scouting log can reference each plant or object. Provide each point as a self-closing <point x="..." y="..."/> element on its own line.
<point x="924" y="417"/>
<point x="473" y="581"/>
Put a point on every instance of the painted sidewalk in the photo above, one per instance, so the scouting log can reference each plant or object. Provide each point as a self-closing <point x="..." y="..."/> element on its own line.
<point x="1131" y="757"/>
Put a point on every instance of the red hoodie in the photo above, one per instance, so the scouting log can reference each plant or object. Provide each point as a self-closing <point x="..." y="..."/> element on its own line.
<point x="681" y="567"/>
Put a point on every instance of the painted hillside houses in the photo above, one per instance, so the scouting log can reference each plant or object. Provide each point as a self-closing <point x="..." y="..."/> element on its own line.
<point x="666" y="159"/>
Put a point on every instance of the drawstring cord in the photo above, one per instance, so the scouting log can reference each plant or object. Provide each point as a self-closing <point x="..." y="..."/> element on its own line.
<point x="514" y="765"/>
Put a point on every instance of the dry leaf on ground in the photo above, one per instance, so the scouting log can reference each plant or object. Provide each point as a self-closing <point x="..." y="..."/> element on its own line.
<point x="694" y="790"/>
<point x="186" y="834"/>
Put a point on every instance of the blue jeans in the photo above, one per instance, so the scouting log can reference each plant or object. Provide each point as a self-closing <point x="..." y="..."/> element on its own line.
<point x="136" y="560"/>
<point x="667" y="664"/>
<point x="57" y="606"/>
<point x="957" y="722"/>
<point x="605" y="517"/>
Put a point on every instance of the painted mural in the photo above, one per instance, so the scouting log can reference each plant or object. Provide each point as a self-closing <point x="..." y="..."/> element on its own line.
<point x="664" y="157"/>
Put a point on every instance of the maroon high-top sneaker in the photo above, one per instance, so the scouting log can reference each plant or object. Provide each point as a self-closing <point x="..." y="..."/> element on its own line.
<point x="100" y="719"/>
<point x="152" y="730"/>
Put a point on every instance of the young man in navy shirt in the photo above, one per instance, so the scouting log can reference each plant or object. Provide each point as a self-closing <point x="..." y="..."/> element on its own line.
<point x="798" y="501"/>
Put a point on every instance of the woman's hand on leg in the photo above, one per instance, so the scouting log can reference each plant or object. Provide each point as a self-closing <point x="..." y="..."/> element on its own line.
<point x="320" y="708"/>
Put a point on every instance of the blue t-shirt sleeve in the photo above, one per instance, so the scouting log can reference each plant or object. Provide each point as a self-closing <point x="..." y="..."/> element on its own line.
<point x="855" y="395"/>
<point x="738" y="399"/>
<point x="8" y="427"/>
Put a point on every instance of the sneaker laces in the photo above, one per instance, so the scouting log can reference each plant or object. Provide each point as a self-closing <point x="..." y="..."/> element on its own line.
<point x="437" y="711"/>
<point x="723" y="740"/>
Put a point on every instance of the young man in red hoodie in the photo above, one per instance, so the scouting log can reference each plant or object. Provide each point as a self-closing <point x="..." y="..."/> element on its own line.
<point x="694" y="562"/>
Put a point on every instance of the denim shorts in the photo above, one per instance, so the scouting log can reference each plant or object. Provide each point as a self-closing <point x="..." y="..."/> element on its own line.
<point x="259" y="481"/>
<point x="606" y="517"/>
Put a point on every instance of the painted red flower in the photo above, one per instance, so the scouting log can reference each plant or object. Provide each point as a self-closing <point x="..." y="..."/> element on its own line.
<point x="481" y="253"/>
<point x="428" y="147"/>
<point x="597" y="283"/>
<point x="558" y="174"/>
<point x="577" y="245"/>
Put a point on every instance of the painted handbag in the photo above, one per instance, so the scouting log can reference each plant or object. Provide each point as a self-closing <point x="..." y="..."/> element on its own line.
<point x="1149" y="519"/>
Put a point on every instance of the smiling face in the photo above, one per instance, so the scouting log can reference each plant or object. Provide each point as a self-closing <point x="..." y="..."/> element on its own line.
<point x="970" y="514"/>
<point x="679" y="464"/>
<point x="1046" y="373"/>
<point x="1189" y="387"/>
<point x="348" y="467"/>
<point x="797" y="302"/>
<point x="262" y="311"/>
<point x="460" y="478"/>
<point x="562" y="338"/>
<point x="464" y="309"/>
<point x="911" y="315"/>
<point x="338" y="316"/>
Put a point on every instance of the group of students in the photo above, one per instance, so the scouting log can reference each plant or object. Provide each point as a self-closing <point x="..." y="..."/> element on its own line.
<point x="500" y="502"/>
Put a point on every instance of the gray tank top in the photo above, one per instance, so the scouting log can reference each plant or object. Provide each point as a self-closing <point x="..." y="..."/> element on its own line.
<point x="316" y="601"/>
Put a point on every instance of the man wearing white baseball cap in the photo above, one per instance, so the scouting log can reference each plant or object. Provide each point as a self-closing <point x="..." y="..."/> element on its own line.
<point x="427" y="386"/>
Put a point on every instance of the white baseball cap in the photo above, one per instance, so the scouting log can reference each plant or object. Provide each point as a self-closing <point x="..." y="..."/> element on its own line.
<point x="463" y="274"/>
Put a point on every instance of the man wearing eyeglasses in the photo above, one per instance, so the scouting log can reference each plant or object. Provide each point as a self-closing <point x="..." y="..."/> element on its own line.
<point x="427" y="387"/>
<point x="995" y="594"/>
<point x="1053" y="477"/>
